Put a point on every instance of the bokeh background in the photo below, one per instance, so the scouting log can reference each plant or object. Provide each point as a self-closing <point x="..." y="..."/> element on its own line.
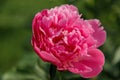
<point x="17" y="59"/>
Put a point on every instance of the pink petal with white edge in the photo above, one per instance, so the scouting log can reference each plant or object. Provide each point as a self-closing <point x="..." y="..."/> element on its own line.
<point x="91" y="65"/>
<point x="99" y="34"/>
<point x="45" y="55"/>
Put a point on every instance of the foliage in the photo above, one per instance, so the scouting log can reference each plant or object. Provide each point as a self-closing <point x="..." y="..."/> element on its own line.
<point x="17" y="59"/>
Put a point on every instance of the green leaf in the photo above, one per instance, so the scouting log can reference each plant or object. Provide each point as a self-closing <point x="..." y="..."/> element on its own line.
<point x="117" y="56"/>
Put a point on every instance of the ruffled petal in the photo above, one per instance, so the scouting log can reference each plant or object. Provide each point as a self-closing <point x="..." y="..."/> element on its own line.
<point x="99" y="34"/>
<point x="45" y="55"/>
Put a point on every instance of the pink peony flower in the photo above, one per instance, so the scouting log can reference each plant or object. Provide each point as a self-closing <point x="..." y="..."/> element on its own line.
<point x="62" y="37"/>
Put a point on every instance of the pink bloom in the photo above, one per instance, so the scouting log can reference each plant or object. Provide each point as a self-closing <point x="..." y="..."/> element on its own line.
<point x="62" y="37"/>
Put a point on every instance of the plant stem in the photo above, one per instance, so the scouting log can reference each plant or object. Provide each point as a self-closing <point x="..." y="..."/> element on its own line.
<point x="52" y="72"/>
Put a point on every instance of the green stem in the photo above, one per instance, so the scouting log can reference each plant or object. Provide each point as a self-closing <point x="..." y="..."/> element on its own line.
<point x="59" y="77"/>
<point x="52" y="72"/>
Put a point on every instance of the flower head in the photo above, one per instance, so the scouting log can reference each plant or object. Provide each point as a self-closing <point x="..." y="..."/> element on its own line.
<point x="62" y="37"/>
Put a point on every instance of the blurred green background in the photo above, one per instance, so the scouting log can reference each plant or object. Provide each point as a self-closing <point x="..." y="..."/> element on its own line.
<point x="17" y="59"/>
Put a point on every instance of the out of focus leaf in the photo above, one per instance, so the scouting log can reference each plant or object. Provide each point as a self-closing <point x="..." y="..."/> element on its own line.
<point x="28" y="69"/>
<point x="117" y="56"/>
<point x="11" y="46"/>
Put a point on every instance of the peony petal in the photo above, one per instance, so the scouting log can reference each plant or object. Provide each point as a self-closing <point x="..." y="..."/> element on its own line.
<point x="97" y="56"/>
<point x="99" y="34"/>
<point x="95" y="62"/>
<point x="90" y="66"/>
<point x="79" y="68"/>
<point x="91" y="42"/>
<point x="45" y="55"/>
